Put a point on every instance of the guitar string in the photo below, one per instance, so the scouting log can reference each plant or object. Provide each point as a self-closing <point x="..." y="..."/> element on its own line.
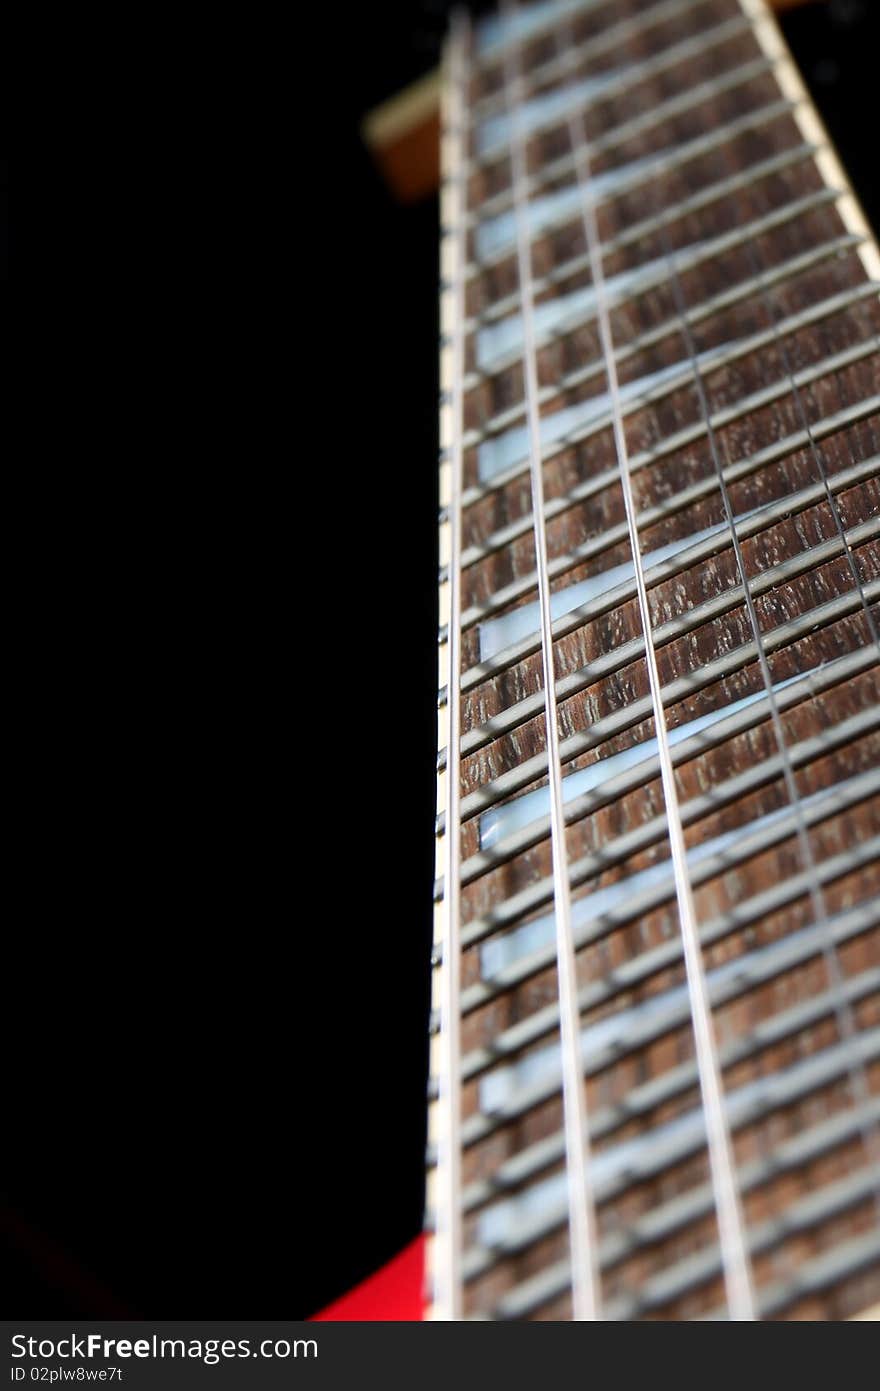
<point x="859" y="1084"/>
<point x="591" y="46"/>
<point x="757" y="261"/>
<point x="583" y="1239"/>
<point x="845" y="543"/>
<point x="829" y="496"/>
<point x="828" y="492"/>
<point x="448" y="1285"/>
<point x="846" y="1023"/>
<point x="860" y="1087"/>
<point x="731" y="1227"/>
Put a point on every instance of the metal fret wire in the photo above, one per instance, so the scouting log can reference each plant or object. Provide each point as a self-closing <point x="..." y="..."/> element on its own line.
<point x="515" y="843"/>
<point x="661" y="162"/>
<point x="501" y="422"/>
<point x="711" y="193"/>
<point x="539" y="892"/>
<point x="660" y="571"/>
<point x="590" y="48"/>
<point x="846" y="1024"/>
<point x="612" y="599"/>
<point x="529" y="1163"/>
<point x="598" y="481"/>
<point x="500" y="599"/>
<point x="637" y="969"/>
<point x="815" y="442"/>
<point x="845" y="544"/>
<point x="792" y="383"/>
<point x="517" y="777"/>
<point x="670" y="56"/>
<point x="585" y="1279"/>
<point x="564" y="502"/>
<point x="859" y="1085"/>
<point x="549" y="175"/>
<point x="731" y="1228"/>
<point x="682" y="1078"/>
<point x="843" y="539"/>
<point x="757" y="261"/>
<point x="448" y="1246"/>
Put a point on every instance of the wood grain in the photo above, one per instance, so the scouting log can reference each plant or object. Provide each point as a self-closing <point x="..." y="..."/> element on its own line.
<point x="801" y="574"/>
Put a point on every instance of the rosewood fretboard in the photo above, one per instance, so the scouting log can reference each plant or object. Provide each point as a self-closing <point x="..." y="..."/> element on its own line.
<point x="656" y="1037"/>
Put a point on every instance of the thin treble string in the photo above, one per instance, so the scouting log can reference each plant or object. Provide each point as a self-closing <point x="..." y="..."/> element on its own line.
<point x="844" y="1014"/>
<point x="777" y="53"/>
<point x="845" y="1017"/>
<point x="731" y="1226"/>
<point x="759" y="270"/>
<point x="584" y="1246"/>
<point x="860" y="1086"/>
<point x="448" y="1265"/>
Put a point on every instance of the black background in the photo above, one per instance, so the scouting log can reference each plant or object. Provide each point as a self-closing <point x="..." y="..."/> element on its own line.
<point x="217" y="977"/>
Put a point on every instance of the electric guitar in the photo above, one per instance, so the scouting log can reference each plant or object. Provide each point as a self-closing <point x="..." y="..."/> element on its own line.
<point x="655" y="1036"/>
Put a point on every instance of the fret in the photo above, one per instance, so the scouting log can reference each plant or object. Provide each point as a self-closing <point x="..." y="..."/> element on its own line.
<point x="696" y="315"/>
<point x="506" y="956"/>
<point x="782" y="1026"/>
<point x="604" y="42"/>
<point x="569" y="100"/>
<point x="535" y="895"/>
<point x="649" y="1021"/>
<point x="778" y="1090"/>
<point x="652" y="832"/>
<point x="787" y="349"/>
<point x="504" y="1093"/>
<point x="555" y="204"/>
<point x="629" y="178"/>
<point x="771" y="43"/>
<point x="639" y="281"/>
<point x="689" y="552"/>
<point x="647" y="227"/>
<point x="549" y="108"/>
<point x="554" y="170"/>
<point x="585" y="1285"/>
<point x="793" y="1154"/>
<point x="661" y="1289"/>
<point x="670" y="379"/>
<point x="857" y="789"/>
<point x="800" y="1217"/>
<point x="589" y="415"/>
<point x="672" y="1017"/>
<point x="674" y="1214"/>
<point x="788" y="212"/>
<point x="604" y="861"/>
<point x="496" y="35"/>
<point x="617" y="852"/>
<point x="524" y="837"/>
<point x="678" y="1081"/>
<point x="687" y="686"/>
<point x="479" y="1127"/>
<point x="858" y="1080"/>
<point x="821" y="1272"/>
<point x="678" y="1212"/>
<point x="523" y="710"/>
<point x="692" y="433"/>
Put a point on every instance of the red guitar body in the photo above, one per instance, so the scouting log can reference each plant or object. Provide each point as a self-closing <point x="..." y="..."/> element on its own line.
<point x="394" y="1293"/>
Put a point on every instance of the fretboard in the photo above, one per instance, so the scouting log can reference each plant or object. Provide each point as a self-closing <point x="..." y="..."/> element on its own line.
<point x="655" y="1077"/>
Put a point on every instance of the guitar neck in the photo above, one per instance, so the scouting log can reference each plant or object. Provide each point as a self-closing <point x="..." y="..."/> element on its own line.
<point x="655" y="1077"/>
